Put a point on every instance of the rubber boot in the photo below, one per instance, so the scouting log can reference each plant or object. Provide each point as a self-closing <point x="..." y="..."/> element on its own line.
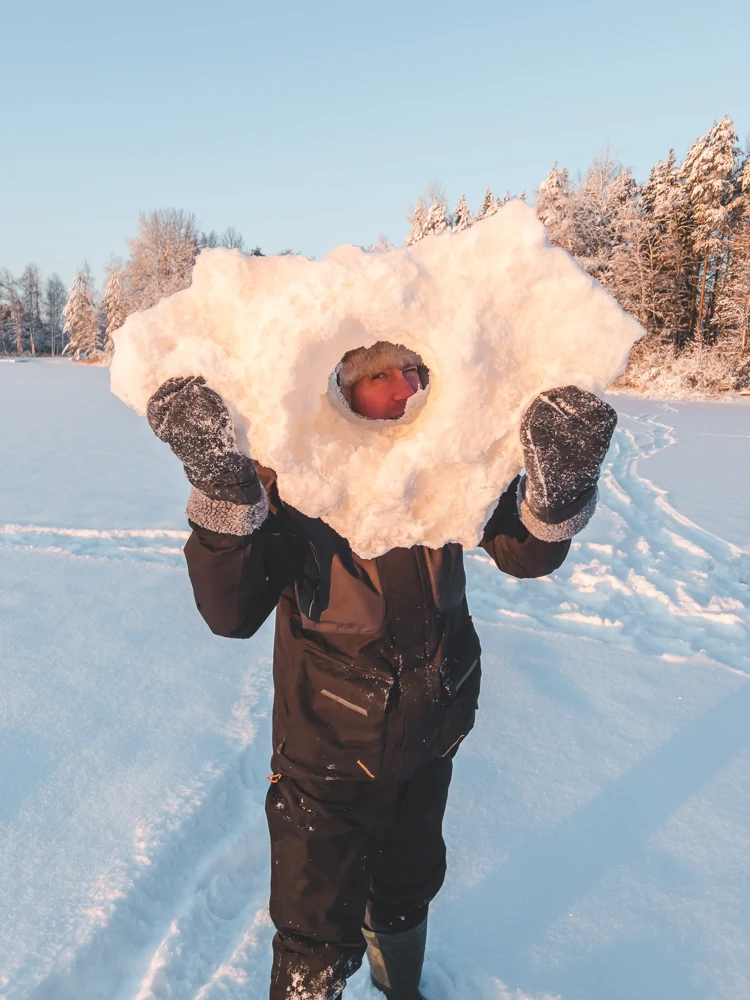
<point x="396" y="961"/>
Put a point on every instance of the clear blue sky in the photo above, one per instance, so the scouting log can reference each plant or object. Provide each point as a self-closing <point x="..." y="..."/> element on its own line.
<point x="308" y="125"/>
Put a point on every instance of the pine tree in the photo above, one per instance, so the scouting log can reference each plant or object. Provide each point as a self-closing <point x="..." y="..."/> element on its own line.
<point x="417" y="220"/>
<point x="208" y="241"/>
<point x="666" y="214"/>
<point x="81" y="323"/>
<point x="437" y="220"/>
<point x="489" y="206"/>
<point x="555" y="207"/>
<point x="113" y="304"/>
<point x="461" y="216"/>
<point x="707" y="174"/>
<point x="733" y="306"/>
<point x="599" y="204"/>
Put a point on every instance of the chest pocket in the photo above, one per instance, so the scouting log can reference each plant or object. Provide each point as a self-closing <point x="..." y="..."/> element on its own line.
<point x="338" y="720"/>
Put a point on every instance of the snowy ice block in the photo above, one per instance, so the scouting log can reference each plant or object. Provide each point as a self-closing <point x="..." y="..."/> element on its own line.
<point x="495" y="311"/>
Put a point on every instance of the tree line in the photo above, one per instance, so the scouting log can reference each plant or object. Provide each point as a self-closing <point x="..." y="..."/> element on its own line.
<point x="43" y="317"/>
<point x="674" y="251"/>
<point x="31" y="312"/>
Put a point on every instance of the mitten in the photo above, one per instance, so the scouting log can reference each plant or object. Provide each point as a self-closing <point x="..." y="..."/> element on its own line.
<point x="565" y="434"/>
<point x="194" y="421"/>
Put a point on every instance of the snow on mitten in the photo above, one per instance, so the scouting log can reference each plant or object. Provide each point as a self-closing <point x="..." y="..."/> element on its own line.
<point x="565" y="434"/>
<point x="194" y="421"/>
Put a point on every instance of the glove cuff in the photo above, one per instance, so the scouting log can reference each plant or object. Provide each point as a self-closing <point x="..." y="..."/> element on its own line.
<point x="554" y="532"/>
<point x="225" y="517"/>
<point x="235" y="482"/>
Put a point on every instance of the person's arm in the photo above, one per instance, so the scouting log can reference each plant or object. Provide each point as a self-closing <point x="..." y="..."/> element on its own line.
<point x="241" y="552"/>
<point x="515" y="550"/>
<point x="565" y="434"/>
<point x="238" y="579"/>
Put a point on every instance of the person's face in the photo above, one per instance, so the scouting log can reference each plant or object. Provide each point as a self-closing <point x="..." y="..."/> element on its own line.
<point x="384" y="396"/>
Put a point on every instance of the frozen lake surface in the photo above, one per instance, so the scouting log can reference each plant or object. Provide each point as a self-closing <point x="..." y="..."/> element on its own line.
<point x="599" y="823"/>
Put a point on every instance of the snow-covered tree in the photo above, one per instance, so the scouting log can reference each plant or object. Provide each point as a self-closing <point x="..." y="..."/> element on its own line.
<point x="733" y="305"/>
<point x="666" y="251"/>
<point x="11" y="314"/>
<point x="81" y="322"/>
<point x="461" y="216"/>
<point x="4" y="327"/>
<point x="555" y="207"/>
<point x="55" y="297"/>
<point x="417" y="220"/>
<point x="438" y="220"/>
<point x="489" y="206"/>
<point x="600" y="202"/>
<point x="707" y="174"/>
<point x="16" y="319"/>
<point x="30" y="292"/>
<point x="113" y="304"/>
<point x="162" y="255"/>
<point x="208" y="241"/>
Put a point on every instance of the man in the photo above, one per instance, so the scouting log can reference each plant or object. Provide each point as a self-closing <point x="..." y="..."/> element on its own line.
<point x="376" y="664"/>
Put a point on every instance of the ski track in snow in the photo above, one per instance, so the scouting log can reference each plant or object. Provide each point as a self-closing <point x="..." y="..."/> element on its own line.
<point x="185" y="917"/>
<point x="155" y="545"/>
<point x="192" y="897"/>
<point x="642" y="575"/>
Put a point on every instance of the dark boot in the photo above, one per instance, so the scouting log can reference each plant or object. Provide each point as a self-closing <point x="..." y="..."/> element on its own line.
<point x="396" y="959"/>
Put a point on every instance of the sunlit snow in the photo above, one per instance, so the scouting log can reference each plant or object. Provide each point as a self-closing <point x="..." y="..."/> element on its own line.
<point x="598" y="828"/>
<point x="496" y="313"/>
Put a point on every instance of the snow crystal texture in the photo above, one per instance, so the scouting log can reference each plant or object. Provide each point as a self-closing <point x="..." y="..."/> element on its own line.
<point x="496" y="312"/>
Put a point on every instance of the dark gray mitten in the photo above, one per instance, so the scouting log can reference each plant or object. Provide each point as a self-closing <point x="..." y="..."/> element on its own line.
<point x="194" y="421"/>
<point x="565" y="435"/>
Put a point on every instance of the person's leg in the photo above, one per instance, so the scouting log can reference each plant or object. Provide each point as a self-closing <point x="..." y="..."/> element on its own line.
<point x="409" y="871"/>
<point x="321" y="859"/>
<point x="407" y="875"/>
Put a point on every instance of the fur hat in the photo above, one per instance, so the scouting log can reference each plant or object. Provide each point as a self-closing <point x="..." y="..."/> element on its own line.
<point x="364" y="361"/>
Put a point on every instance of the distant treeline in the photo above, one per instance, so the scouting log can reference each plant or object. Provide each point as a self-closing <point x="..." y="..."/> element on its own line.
<point x="43" y="317"/>
<point x="675" y="252"/>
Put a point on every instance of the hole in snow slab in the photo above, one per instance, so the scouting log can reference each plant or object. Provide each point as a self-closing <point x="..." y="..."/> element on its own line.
<point x="384" y="384"/>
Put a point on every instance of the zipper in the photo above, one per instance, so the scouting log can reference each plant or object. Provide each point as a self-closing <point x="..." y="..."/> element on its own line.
<point x="431" y="670"/>
<point x="317" y="585"/>
<point x="468" y="673"/>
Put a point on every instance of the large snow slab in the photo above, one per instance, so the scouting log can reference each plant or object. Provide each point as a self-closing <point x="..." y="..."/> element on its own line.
<point x="598" y="827"/>
<point x="496" y="313"/>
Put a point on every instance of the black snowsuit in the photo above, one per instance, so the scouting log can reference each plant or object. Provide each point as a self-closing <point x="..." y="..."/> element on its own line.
<point x="376" y="674"/>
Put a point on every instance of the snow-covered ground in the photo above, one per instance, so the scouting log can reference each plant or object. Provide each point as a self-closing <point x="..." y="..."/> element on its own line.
<point x="599" y="824"/>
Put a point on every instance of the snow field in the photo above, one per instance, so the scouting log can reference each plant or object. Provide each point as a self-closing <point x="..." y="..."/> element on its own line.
<point x="598" y="823"/>
<point x="642" y="574"/>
